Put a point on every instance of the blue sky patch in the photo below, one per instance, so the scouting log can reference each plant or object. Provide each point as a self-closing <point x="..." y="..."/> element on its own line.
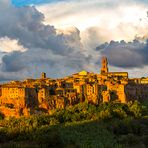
<point x="31" y="2"/>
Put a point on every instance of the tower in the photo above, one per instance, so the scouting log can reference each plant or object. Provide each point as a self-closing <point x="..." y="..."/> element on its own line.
<point x="43" y="75"/>
<point x="104" y="63"/>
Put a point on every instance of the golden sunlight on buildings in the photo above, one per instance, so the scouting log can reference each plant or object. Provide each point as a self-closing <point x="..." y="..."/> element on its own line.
<point x="33" y="96"/>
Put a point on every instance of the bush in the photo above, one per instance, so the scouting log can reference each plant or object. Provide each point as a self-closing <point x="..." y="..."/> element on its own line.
<point x="135" y="108"/>
<point x="119" y="113"/>
<point x="105" y="114"/>
<point x="43" y="129"/>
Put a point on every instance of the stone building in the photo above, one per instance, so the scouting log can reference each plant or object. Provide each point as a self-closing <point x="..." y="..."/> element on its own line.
<point x="17" y="98"/>
<point x="25" y="97"/>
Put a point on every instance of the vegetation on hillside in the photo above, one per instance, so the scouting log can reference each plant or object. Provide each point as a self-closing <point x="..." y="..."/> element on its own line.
<point x="108" y="125"/>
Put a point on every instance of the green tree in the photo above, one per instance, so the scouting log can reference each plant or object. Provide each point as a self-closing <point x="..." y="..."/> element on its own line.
<point x="136" y="108"/>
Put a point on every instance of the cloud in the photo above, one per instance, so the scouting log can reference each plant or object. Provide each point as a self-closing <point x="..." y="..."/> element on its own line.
<point x="99" y="21"/>
<point x="25" y="25"/>
<point x="13" y="62"/>
<point x="39" y="47"/>
<point x="89" y="13"/>
<point x="125" y="54"/>
<point x="9" y="45"/>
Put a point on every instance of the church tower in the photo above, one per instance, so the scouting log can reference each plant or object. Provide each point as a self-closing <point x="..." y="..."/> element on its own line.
<point x="43" y="75"/>
<point x="104" y="63"/>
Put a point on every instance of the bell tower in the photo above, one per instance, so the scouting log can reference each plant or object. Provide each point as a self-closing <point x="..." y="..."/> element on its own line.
<point x="43" y="75"/>
<point x="104" y="63"/>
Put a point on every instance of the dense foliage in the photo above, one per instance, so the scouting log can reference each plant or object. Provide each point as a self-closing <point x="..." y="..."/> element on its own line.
<point x="83" y="125"/>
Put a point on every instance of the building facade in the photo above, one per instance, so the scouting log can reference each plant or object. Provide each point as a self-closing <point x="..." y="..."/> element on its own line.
<point x="19" y="98"/>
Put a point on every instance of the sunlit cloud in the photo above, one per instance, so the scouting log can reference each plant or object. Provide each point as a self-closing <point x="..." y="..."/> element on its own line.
<point x="85" y="14"/>
<point x="10" y="45"/>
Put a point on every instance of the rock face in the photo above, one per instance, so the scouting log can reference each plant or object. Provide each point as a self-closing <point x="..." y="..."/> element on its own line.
<point x="23" y="98"/>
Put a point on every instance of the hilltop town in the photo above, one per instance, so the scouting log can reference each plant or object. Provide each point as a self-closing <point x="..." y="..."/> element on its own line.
<point x="31" y="96"/>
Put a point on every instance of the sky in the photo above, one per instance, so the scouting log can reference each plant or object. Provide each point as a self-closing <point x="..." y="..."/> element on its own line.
<point x="62" y="37"/>
<point x="19" y="3"/>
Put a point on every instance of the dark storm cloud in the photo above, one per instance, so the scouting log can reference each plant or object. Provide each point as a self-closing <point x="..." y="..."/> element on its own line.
<point x="13" y="62"/>
<point x="4" y="78"/>
<point x="125" y="54"/>
<point x="26" y="25"/>
<point x="48" y="50"/>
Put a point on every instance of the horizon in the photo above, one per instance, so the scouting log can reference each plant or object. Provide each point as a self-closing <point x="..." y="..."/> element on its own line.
<point x="48" y="77"/>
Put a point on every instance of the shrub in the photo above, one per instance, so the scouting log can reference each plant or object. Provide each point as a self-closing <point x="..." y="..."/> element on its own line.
<point x="105" y="114"/>
<point x="53" y="121"/>
<point x="75" y="131"/>
<point x="135" y="108"/>
<point x="119" y="113"/>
